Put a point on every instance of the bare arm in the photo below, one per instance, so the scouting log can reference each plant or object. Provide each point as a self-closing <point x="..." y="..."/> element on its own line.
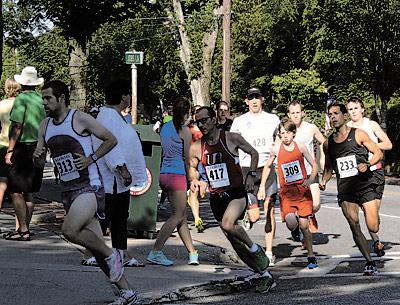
<point x="186" y="137"/>
<point x="310" y="160"/>
<point x="327" y="175"/>
<point x="385" y="143"/>
<point x="16" y="129"/>
<point x="265" y="173"/>
<point x="84" y="122"/>
<point x="362" y="138"/>
<point x="194" y="156"/>
<point x="39" y="155"/>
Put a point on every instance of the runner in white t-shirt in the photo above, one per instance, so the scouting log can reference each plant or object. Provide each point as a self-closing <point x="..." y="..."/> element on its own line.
<point x="355" y="107"/>
<point x="307" y="133"/>
<point x="258" y="128"/>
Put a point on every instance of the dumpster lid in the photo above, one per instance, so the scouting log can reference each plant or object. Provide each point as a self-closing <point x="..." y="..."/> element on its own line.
<point x="146" y="133"/>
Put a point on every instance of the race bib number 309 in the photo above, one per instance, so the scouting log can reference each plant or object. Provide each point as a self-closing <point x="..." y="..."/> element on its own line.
<point x="347" y="166"/>
<point x="66" y="167"/>
<point x="292" y="171"/>
<point x="217" y="175"/>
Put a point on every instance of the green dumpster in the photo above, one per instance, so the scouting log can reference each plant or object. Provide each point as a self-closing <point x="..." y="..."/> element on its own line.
<point x="143" y="204"/>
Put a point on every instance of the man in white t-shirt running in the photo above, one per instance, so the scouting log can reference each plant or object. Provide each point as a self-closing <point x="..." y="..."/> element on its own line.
<point x="307" y="133"/>
<point x="355" y="107"/>
<point x="258" y="128"/>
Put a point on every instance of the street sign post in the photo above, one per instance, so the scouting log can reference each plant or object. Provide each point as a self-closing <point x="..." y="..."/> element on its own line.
<point x="134" y="58"/>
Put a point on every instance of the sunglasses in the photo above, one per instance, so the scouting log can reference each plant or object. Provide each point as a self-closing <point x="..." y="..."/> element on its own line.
<point x="252" y="96"/>
<point x="202" y="120"/>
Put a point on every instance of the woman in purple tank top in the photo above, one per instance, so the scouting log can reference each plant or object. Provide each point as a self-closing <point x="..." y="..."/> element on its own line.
<point x="175" y="141"/>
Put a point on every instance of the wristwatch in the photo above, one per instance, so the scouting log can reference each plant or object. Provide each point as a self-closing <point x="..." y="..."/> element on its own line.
<point x="93" y="157"/>
<point x="252" y="173"/>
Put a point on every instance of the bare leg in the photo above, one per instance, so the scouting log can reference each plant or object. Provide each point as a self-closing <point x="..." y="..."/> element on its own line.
<point x="20" y="210"/>
<point x="270" y="225"/>
<point x="350" y="211"/>
<point x="316" y="197"/>
<point x="178" y="219"/>
<point x="3" y="187"/>
<point x="303" y="222"/>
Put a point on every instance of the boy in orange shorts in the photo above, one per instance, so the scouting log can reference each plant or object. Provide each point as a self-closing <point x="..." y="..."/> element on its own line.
<point x="295" y="194"/>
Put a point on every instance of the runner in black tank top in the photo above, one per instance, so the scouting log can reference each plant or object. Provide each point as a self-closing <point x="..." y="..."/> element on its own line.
<point x="346" y="152"/>
<point x="217" y="151"/>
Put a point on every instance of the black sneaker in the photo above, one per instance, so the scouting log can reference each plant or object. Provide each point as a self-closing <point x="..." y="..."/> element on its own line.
<point x="370" y="269"/>
<point x="297" y="235"/>
<point x="312" y="262"/>
<point x="379" y="248"/>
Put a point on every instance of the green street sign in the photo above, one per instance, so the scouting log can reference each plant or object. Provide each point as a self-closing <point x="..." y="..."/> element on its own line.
<point x="134" y="58"/>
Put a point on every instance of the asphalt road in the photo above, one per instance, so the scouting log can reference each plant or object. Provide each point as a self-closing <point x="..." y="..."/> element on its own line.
<point x="338" y="280"/>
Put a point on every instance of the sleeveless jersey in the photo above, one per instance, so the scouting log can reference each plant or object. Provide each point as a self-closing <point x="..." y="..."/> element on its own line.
<point x="305" y="136"/>
<point x="222" y="167"/>
<point x="64" y="142"/>
<point x="173" y="161"/>
<point x="291" y="168"/>
<point x="344" y="158"/>
<point x="366" y="126"/>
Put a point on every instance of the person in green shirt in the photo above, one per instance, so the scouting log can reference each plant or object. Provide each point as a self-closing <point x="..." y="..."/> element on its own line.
<point x="23" y="177"/>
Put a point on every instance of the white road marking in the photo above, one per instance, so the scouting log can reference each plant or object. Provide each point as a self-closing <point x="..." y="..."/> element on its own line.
<point x="380" y="214"/>
<point x="314" y="274"/>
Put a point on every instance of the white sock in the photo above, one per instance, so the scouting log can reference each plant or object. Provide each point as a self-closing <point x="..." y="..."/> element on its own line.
<point x="266" y="273"/>
<point x="268" y="253"/>
<point x="253" y="248"/>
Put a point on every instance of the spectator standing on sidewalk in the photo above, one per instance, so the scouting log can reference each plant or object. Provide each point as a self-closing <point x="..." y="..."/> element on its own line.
<point x="258" y="128"/>
<point x="175" y="141"/>
<point x="23" y="177"/>
<point x="223" y="120"/>
<point x="11" y="88"/>
<point x="123" y="167"/>
<point x="67" y="133"/>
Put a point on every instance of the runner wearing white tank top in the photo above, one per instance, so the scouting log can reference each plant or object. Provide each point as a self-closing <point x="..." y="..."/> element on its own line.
<point x="356" y="110"/>
<point x="258" y="128"/>
<point x="307" y="133"/>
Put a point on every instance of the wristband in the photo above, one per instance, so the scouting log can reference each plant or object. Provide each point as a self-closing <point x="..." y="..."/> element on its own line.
<point x="93" y="157"/>
<point x="10" y="150"/>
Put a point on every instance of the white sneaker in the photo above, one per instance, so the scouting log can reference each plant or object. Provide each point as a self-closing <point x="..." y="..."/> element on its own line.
<point x="271" y="258"/>
<point x="115" y="264"/>
<point x="126" y="297"/>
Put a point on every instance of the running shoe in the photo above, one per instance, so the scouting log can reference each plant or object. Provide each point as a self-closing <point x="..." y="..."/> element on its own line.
<point x="265" y="283"/>
<point x="370" y="269"/>
<point x="271" y="258"/>
<point x="260" y="258"/>
<point x="158" y="258"/>
<point x="313" y="224"/>
<point x="379" y="248"/>
<point x="198" y="223"/>
<point x="193" y="258"/>
<point x="115" y="264"/>
<point x="312" y="262"/>
<point x="297" y="235"/>
<point x="126" y="297"/>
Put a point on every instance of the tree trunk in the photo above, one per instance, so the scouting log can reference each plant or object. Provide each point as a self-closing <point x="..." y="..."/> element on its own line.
<point x="77" y="73"/>
<point x="1" y="38"/>
<point x="199" y="87"/>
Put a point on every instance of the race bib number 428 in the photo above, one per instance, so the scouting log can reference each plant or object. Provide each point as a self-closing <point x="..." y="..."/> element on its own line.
<point x="347" y="166"/>
<point x="217" y="175"/>
<point x="66" y="167"/>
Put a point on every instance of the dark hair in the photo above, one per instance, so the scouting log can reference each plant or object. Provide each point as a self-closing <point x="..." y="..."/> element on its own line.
<point x="219" y="103"/>
<point x="181" y="107"/>
<point x="355" y="99"/>
<point x="58" y="87"/>
<point x="210" y="111"/>
<point x="287" y="124"/>
<point x="342" y="107"/>
<point x="115" y="90"/>
<point x="294" y="103"/>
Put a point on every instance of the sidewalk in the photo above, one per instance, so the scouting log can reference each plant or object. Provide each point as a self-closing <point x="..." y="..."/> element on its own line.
<point x="47" y="269"/>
